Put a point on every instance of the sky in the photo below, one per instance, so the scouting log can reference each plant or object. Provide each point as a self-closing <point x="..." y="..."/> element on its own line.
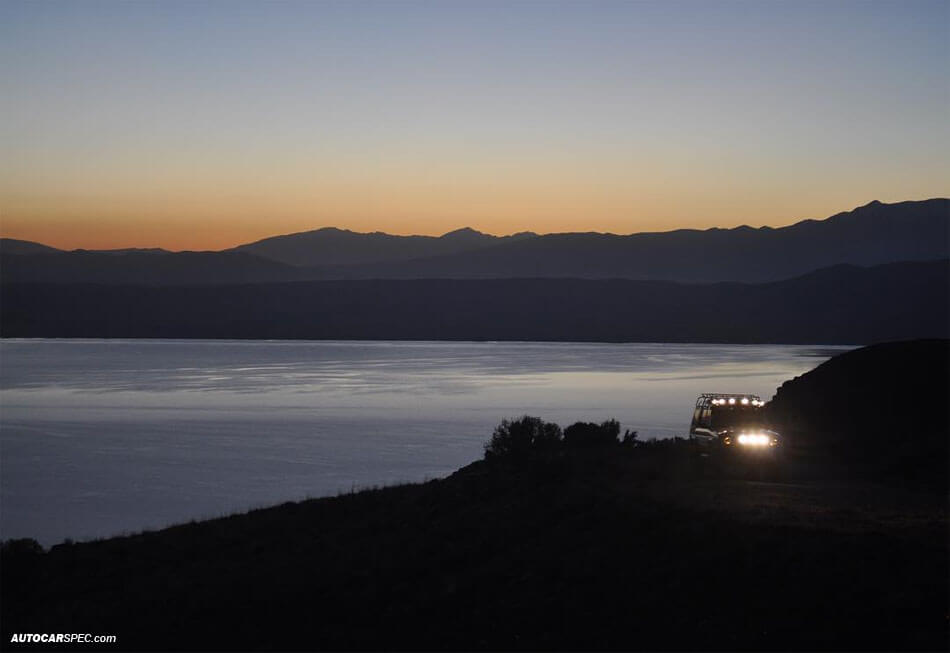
<point x="202" y="125"/>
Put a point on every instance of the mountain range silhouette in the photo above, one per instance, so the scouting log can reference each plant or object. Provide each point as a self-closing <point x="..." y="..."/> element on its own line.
<point x="873" y="234"/>
<point x="879" y="272"/>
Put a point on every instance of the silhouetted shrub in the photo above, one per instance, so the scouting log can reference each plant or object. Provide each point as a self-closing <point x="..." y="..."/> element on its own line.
<point x="21" y="547"/>
<point x="521" y="437"/>
<point x="630" y="438"/>
<point x="588" y="434"/>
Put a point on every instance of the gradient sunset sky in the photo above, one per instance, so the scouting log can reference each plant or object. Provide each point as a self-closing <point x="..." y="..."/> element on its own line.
<point x="202" y="125"/>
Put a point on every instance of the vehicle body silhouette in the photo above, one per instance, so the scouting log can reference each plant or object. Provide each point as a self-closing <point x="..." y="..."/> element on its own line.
<point x="732" y="422"/>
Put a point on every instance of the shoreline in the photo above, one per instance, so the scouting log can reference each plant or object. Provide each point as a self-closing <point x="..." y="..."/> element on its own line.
<point x="564" y="544"/>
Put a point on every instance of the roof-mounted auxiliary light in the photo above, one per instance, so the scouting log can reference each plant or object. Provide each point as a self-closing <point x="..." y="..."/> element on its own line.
<point x="740" y="400"/>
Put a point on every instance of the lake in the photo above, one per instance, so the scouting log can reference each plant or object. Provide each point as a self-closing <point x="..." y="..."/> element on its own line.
<point x="101" y="437"/>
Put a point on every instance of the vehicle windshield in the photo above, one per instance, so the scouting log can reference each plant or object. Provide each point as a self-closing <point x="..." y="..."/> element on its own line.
<point x="731" y="417"/>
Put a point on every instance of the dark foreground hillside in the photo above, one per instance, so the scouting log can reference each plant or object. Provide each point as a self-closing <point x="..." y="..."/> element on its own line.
<point x="641" y="548"/>
<point x="843" y="304"/>
<point x="613" y="546"/>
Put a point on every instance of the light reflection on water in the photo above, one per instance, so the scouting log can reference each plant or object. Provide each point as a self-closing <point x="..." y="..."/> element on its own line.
<point x="99" y="437"/>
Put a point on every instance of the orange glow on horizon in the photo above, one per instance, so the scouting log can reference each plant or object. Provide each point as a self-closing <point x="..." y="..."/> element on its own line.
<point x="210" y="233"/>
<point x="198" y="226"/>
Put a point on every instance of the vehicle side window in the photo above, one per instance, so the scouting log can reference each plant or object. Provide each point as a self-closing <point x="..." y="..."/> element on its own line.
<point x="704" y="418"/>
<point x="696" y="414"/>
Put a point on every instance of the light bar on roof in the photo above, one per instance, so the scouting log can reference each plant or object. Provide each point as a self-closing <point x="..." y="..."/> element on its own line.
<point x="743" y="401"/>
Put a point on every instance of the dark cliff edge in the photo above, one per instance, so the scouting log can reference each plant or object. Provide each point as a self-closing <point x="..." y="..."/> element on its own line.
<point x="882" y="410"/>
<point x="622" y="547"/>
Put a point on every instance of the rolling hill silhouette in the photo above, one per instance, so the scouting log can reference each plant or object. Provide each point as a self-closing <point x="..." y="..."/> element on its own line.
<point x="150" y="267"/>
<point x="842" y="304"/>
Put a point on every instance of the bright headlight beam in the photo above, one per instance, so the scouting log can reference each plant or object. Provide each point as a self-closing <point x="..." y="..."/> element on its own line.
<point x="756" y="439"/>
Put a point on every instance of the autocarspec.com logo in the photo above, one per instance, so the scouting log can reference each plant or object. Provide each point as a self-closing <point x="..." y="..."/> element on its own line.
<point x="61" y="638"/>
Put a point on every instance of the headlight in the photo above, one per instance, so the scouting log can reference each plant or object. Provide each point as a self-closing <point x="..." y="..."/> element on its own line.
<point x="754" y="439"/>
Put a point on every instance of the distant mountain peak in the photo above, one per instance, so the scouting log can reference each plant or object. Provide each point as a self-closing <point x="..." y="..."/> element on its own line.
<point x="17" y="246"/>
<point x="464" y="232"/>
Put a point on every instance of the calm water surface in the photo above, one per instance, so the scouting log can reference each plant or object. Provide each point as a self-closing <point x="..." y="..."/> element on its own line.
<point x="99" y="437"/>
